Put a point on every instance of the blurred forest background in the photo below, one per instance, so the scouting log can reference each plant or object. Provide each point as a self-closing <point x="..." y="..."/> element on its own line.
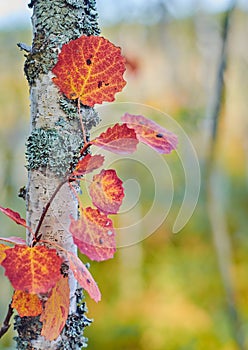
<point x="185" y="291"/>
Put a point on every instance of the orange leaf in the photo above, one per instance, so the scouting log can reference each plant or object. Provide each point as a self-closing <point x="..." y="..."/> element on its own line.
<point x="88" y="164"/>
<point x="3" y="247"/>
<point x="32" y="269"/>
<point x="150" y="133"/>
<point x="83" y="276"/>
<point x="56" y="310"/>
<point x="26" y="304"/>
<point x="106" y="191"/>
<point x="14" y="216"/>
<point x="118" y="139"/>
<point x="94" y="234"/>
<point x="90" y="68"/>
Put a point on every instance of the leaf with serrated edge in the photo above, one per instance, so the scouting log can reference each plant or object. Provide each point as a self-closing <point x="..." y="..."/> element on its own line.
<point x="106" y="191"/>
<point x="150" y="133"/>
<point x="83" y="276"/>
<point x="56" y="310"/>
<point x="14" y="216"/>
<point x="26" y="304"/>
<point x="88" y="164"/>
<point x="32" y="269"/>
<point x="13" y="239"/>
<point x="90" y="68"/>
<point x="94" y="234"/>
<point x="3" y="248"/>
<point x="118" y="139"/>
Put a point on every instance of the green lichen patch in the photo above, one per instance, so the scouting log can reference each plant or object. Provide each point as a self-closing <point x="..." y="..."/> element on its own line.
<point x="49" y="148"/>
<point x="89" y="116"/>
<point x="28" y="329"/>
<point x="69" y="107"/>
<point x="73" y="333"/>
<point x="55" y="23"/>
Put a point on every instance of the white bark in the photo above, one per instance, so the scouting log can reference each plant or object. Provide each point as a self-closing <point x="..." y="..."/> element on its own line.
<point x="55" y="22"/>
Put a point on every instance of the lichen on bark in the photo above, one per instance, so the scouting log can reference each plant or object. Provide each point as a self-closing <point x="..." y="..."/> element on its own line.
<point x="50" y="32"/>
<point x="54" y="142"/>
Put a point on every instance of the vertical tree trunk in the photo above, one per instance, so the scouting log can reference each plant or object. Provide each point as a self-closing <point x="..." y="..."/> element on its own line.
<point x="53" y="147"/>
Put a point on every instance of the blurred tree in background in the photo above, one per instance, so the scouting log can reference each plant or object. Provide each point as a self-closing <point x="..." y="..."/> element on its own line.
<point x="166" y="292"/>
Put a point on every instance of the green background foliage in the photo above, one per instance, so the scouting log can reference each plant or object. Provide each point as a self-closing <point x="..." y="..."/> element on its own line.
<point x="165" y="292"/>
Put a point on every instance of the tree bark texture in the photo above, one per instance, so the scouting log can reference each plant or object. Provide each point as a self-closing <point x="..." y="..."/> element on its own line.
<point x="53" y="148"/>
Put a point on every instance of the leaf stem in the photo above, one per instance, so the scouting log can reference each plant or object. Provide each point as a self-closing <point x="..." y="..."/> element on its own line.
<point x="86" y="145"/>
<point x="81" y="122"/>
<point x="43" y="215"/>
<point x="6" y="324"/>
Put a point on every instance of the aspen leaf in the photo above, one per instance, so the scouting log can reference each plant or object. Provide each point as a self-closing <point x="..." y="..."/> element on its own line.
<point x="118" y="139"/>
<point x="91" y="69"/>
<point x="88" y="164"/>
<point x="3" y="248"/>
<point x="94" y="234"/>
<point x="26" y="304"/>
<point x="13" y="239"/>
<point x="32" y="269"/>
<point x="150" y="133"/>
<point x="83" y="276"/>
<point x="106" y="191"/>
<point x="14" y="216"/>
<point x="56" y="310"/>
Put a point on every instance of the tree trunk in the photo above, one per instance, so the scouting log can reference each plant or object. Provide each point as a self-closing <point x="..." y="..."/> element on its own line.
<point x="53" y="148"/>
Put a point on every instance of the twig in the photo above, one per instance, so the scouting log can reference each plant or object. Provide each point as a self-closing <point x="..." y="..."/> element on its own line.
<point x="81" y="122"/>
<point x="46" y="209"/>
<point x="6" y="323"/>
<point x="219" y="88"/>
<point x="215" y="206"/>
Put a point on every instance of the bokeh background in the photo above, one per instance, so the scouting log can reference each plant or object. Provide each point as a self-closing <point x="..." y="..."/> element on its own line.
<point x="188" y="290"/>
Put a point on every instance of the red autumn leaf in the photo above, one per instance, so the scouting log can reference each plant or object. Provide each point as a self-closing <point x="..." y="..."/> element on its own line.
<point x="90" y="68"/>
<point x="118" y="139"/>
<point x="88" y="164"/>
<point x="83" y="276"/>
<point x="26" y="304"/>
<point x="14" y="216"/>
<point x="3" y="248"/>
<point x="150" y="133"/>
<point x="56" y="310"/>
<point x="32" y="269"/>
<point x="94" y="234"/>
<point x="106" y="191"/>
<point x="13" y="239"/>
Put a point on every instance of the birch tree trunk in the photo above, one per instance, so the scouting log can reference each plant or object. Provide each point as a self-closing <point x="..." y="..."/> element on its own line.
<point x="53" y="148"/>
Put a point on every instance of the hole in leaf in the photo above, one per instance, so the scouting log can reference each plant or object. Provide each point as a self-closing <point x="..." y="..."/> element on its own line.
<point x="100" y="84"/>
<point x="88" y="61"/>
<point x="159" y="135"/>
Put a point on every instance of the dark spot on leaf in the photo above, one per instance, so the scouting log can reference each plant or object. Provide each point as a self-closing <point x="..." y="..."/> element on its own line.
<point x="99" y="84"/>
<point x="106" y="84"/>
<point x="88" y="62"/>
<point x="160" y="135"/>
<point x="88" y="281"/>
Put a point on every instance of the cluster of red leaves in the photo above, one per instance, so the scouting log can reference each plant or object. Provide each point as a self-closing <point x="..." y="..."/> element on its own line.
<point x="89" y="69"/>
<point x="93" y="232"/>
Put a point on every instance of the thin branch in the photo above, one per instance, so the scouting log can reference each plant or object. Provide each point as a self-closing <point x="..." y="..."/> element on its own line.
<point x="214" y="182"/>
<point x="81" y="121"/>
<point x="46" y="209"/>
<point x="219" y="88"/>
<point x="6" y="322"/>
